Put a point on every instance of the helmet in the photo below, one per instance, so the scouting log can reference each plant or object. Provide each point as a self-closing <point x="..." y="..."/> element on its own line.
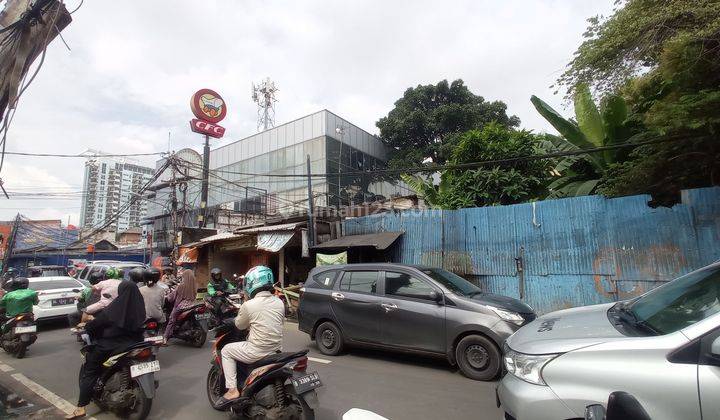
<point x="35" y="272"/>
<point x="151" y="275"/>
<point x="95" y="278"/>
<point x="112" y="273"/>
<point x="257" y="279"/>
<point x="136" y="275"/>
<point x="216" y="274"/>
<point x="19" y="283"/>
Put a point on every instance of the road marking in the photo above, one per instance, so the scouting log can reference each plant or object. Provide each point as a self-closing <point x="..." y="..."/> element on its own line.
<point x="48" y="395"/>
<point x="6" y="368"/>
<point x="323" y="361"/>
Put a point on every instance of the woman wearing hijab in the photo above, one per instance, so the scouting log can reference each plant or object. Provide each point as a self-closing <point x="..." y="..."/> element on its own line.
<point x="112" y="330"/>
<point x="183" y="296"/>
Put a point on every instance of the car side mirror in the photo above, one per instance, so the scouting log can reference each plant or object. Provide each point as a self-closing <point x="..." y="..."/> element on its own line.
<point x="435" y="296"/>
<point x="623" y="406"/>
<point x="715" y="347"/>
<point x="595" y="412"/>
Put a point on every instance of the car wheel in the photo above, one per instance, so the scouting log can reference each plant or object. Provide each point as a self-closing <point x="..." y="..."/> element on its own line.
<point x="478" y="358"/>
<point x="329" y="339"/>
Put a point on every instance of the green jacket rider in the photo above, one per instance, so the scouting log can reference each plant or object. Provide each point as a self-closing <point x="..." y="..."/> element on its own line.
<point x="219" y="284"/>
<point x="20" y="300"/>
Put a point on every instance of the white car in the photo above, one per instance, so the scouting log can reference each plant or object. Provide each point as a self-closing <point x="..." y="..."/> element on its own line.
<point x="56" y="296"/>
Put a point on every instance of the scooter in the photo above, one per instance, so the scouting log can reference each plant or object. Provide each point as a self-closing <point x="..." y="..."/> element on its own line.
<point x="18" y="333"/>
<point x="152" y="334"/>
<point x="127" y="383"/>
<point x="191" y="324"/>
<point x="275" y="387"/>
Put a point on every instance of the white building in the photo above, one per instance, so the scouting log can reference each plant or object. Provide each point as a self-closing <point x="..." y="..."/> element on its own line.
<point x="109" y="185"/>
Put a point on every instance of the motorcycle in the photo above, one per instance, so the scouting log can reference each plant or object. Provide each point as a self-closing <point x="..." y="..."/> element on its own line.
<point x="275" y="387"/>
<point x="191" y="324"/>
<point x="18" y="333"/>
<point x="153" y="334"/>
<point x="127" y="383"/>
<point x="221" y="307"/>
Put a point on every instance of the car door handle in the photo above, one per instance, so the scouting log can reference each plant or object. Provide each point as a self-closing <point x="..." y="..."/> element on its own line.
<point x="338" y="296"/>
<point x="388" y="307"/>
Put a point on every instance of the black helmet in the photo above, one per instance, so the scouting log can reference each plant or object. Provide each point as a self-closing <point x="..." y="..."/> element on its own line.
<point x="19" y="283"/>
<point x="216" y="274"/>
<point x="151" y="275"/>
<point x="136" y="275"/>
<point x="95" y="278"/>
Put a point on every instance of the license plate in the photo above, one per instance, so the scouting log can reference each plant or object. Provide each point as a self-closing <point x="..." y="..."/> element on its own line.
<point x="25" y="330"/>
<point x="144" y="368"/>
<point x="202" y="316"/>
<point x="156" y="339"/>
<point x="62" y="301"/>
<point x="306" y="383"/>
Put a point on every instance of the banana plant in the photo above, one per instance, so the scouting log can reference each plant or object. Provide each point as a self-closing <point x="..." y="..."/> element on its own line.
<point x="592" y="128"/>
<point x="434" y="195"/>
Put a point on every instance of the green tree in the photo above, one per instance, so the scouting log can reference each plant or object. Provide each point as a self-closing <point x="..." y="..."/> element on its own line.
<point x="426" y="122"/>
<point x="593" y="127"/>
<point x="499" y="183"/>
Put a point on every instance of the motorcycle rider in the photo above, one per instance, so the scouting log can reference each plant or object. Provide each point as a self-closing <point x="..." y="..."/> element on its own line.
<point x="19" y="300"/>
<point x="263" y="314"/>
<point x="115" y="328"/>
<point x="107" y="289"/>
<point x="218" y="285"/>
<point x="153" y="294"/>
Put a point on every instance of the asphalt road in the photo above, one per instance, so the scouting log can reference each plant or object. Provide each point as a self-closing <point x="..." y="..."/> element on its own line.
<point x="393" y="385"/>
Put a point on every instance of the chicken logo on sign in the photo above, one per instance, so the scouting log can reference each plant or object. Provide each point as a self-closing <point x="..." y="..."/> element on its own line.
<point x="209" y="108"/>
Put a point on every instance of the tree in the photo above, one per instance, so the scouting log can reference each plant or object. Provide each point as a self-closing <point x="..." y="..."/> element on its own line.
<point x="593" y="127"/>
<point x="427" y="121"/>
<point x="633" y="40"/>
<point x="495" y="184"/>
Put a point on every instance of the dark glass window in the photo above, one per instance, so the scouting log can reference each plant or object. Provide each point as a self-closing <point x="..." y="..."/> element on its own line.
<point x="326" y="279"/>
<point x="405" y="285"/>
<point x="359" y="281"/>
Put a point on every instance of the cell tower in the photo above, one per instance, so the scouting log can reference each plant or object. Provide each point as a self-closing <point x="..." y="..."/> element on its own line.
<point x="263" y="94"/>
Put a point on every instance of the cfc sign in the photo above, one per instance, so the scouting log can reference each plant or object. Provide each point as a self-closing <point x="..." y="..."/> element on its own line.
<point x="210" y="109"/>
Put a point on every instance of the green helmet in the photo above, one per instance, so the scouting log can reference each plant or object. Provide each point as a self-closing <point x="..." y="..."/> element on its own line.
<point x="257" y="278"/>
<point x="112" y="273"/>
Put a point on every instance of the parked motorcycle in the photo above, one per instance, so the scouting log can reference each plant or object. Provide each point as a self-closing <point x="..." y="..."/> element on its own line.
<point x="18" y="333"/>
<point x="127" y="383"/>
<point x="276" y="387"/>
<point x="191" y="324"/>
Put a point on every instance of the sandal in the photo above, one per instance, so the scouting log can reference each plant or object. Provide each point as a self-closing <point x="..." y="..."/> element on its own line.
<point x="77" y="414"/>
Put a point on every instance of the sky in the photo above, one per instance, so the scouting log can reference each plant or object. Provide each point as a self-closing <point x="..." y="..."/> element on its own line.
<point x="131" y="67"/>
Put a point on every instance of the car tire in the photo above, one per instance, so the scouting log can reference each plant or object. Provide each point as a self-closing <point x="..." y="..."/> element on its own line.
<point x="478" y="358"/>
<point x="329" y="339"/>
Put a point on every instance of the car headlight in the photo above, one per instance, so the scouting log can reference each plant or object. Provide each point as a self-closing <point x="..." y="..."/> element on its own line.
<point x="527" y="367"/>
<point x="509" y="316"/>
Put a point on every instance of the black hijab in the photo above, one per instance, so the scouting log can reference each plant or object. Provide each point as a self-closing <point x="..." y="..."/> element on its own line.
<point x="127" y="310"/>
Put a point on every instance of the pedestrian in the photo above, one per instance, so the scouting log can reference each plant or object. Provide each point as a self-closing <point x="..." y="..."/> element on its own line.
<point x="182" y="296"/>
<point x="113" y="329"/>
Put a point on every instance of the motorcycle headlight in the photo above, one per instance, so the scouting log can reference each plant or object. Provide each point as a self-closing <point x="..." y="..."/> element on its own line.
<point x="527" y="367"/>
<point x="506" y="315"/>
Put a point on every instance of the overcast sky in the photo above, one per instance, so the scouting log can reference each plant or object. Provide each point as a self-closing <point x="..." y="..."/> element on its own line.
<point x="134" y="64"/>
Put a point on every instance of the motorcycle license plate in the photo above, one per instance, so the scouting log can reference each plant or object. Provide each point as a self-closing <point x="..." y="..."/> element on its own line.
<point x="144" y="368"/>
<point x="154" y="340"/>
<point x="306" y="383"/>
<point x="25" y="330"/>
<point x="202" y="316"/>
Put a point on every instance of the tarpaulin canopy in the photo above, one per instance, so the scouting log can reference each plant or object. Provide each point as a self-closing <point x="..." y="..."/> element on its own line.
<point x="273" y="241"/>
<point x="187" y="256"/>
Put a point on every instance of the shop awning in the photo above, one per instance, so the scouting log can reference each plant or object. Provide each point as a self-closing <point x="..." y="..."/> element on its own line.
<point x="380" y="241"/>
<point x="273" y="241"/>
<point x="187" y="256"/>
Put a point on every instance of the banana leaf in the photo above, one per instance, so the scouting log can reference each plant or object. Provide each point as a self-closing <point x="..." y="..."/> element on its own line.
<point x="588" y="116"/>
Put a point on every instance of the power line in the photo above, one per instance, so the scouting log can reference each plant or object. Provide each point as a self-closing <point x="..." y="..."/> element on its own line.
<point x="85" y="156"/>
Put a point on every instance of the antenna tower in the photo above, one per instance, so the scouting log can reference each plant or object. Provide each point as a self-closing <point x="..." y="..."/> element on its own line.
<point x="263" y="94"/>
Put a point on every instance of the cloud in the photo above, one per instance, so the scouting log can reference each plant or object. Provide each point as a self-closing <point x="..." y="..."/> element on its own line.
<point x="126" y="83"/>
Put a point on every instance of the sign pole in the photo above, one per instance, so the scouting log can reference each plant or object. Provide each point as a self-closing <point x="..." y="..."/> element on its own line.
<point x="202" y="218"/>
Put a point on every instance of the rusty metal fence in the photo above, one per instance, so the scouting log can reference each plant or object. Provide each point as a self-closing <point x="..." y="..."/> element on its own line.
<point x="561" y="253"/>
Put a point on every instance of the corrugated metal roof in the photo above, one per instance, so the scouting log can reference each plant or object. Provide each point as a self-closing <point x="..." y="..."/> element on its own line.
<point x="271" y="228"/>
<point x="380" y="241"/>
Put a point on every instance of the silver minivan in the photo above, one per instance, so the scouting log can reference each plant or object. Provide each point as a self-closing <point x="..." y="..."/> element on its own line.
<point x="662" y="347"/>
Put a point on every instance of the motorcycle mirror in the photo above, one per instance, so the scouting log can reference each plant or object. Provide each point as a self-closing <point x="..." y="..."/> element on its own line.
<point x="595" y="412"/>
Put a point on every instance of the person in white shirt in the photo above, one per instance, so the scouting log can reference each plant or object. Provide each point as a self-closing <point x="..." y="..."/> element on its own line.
<point x="264" y="315"/>
<point x="153" y="294"/>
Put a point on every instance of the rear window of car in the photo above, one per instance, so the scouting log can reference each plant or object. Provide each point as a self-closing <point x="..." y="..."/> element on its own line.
<point x="53" y="272"/>
<point x="54" y="284"/>
<point x="325" y="279"/>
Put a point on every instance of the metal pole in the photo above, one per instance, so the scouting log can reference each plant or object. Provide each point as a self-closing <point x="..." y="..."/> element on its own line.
<point x="311" y="207"/>
<point x="205" y="175"/>
<point x="173" y="216"/>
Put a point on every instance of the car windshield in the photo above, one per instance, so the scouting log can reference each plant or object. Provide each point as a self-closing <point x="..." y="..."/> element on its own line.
<point x="680" y="303"/>
<point x="452" y="282"/>
<point x="53" y="272"/>
<point x="54" y="284"/>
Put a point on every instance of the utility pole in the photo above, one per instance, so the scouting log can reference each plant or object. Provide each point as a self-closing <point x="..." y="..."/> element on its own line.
<point x="10" y="244"/>
<point x="174" y="207"/>
<point x="202" y="217"/>
<point x="311" y="207"/>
